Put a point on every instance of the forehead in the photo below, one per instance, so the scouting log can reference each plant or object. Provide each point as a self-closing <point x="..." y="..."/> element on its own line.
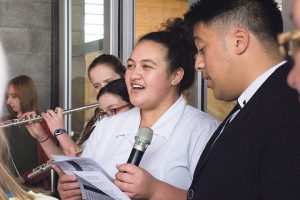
<point x="148" y="50"/>
<point x="203" y="33"/>
<point x="11" y="89"/>
<point x="102" y="71"/>
<point x="108" y="99"/>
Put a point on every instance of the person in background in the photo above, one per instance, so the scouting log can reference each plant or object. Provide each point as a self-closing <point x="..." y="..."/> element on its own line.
<point x="291" y="41"/>
<point x="255" y="152"/>
<point x="160" y="68"/>
<point x="104" y="69"/>
<point x="113" y="99"/>
<point x="21" y="97"/>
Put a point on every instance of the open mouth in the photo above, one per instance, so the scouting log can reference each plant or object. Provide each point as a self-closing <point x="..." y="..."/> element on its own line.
<point x="137" y="87"/>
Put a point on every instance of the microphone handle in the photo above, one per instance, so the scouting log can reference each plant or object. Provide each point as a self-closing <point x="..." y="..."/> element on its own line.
<point x="135" y="157"/>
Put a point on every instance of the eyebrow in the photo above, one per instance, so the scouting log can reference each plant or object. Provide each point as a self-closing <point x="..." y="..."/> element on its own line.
<point x="107" y="108"/>
<point x="198" y="39"/>
<point x="145" y="60"/>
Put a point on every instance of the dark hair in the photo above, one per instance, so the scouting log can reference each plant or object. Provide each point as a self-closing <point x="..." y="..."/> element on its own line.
<point x="261" y="17"/>
<point x="181" y="50"/>
<point x="27" y="93"/>
<point x="117" y="87"/>
<point x="111" y="60"/>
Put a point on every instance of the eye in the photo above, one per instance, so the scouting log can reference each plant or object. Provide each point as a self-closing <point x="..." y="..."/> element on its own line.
<point x="201" y="50"/>
<point x="130" y="66"/>
<point x="97" y="86"/>
<point x="145" y="66"/>
<point x="111" y="112"/>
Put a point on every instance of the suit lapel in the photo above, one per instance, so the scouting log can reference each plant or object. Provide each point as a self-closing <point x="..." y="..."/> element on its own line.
<point x="207" y="150"/>
<point x="262" y="94"/>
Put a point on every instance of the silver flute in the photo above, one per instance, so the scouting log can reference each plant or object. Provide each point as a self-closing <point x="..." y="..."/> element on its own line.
<point x="18" y="122"/>
<point x="40" y="169"/>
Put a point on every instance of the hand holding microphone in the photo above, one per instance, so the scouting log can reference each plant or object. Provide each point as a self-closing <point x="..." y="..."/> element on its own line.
<point x="142" y="141"/>
<point x="134" y="181"/>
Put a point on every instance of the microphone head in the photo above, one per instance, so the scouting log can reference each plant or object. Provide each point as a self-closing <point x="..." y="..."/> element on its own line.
<point x="144" y="135"/>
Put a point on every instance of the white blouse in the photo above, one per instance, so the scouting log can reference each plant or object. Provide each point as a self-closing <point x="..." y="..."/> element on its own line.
<point x="179" y="137"/>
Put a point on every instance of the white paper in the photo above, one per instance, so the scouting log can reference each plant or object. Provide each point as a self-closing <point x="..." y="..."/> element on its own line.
<point x="98" y="180"/>
<point x="94" y="182"/>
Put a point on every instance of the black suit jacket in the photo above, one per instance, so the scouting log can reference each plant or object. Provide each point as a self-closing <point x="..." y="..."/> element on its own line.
<point x="257" y="156"/>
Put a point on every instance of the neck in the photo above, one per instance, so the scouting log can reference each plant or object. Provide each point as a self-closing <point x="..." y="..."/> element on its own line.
<point x="150" y="116"/>
<point x="258" y="66"/>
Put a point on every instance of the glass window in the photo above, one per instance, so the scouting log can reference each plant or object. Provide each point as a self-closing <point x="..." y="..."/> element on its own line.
<point x="87" y="25"/>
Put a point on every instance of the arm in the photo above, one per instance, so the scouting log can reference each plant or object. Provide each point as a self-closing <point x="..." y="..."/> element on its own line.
<point x="54" y="120"/>
<point x="136" y="182"/>
<point x="36" y="131"/>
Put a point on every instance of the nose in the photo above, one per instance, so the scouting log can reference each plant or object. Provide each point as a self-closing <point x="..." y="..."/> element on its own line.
<point x="135" y="73"/>
<point x="8" y="101"/>
<point x="199" y="62"/>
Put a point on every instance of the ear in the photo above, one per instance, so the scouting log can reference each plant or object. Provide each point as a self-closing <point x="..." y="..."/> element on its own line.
<point x="177" y="75"/>
<point x="241" y="40"/>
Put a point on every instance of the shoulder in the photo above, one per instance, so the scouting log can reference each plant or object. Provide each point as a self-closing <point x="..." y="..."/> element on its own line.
<point x="123" y="117"/>
<point x="194" y="115"/>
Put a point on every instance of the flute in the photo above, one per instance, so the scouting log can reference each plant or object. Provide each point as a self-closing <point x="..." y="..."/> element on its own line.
<point x="18" y="122"/>
<point x="40" y="169"/>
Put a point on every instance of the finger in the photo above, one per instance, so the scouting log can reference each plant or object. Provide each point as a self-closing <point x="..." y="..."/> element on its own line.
<point x="47" y="116"/>
<point x="68" y="193"/>
<point x="58" y="110"/>
<point x="125" y="187"/>
<point x="68" y="186"/>
<point x="58" y="170"/>
<point x="124" y="177"/>
<point x="51" y="112"/>
<point x="129" y="168"/>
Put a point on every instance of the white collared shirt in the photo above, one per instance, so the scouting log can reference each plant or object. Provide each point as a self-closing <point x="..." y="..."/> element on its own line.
<point x="180" y="136"/>
<point x="255" y="85"/>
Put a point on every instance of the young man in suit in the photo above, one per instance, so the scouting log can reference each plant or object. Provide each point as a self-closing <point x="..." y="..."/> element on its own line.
<point x="255" y="153"/>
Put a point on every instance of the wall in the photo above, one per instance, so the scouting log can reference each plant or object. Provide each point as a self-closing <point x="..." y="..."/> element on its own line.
<point x="25" y="31"/>
<point x="151" y="13"/>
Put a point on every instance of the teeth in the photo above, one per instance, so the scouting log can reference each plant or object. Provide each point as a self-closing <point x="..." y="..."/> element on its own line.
<point x="137" y="87"/>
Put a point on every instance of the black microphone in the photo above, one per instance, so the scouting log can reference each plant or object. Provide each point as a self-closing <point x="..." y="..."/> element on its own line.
<point x="142" y="141"/>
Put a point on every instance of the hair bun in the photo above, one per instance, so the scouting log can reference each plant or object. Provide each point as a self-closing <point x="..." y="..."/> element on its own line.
<point x="177" y="27"/>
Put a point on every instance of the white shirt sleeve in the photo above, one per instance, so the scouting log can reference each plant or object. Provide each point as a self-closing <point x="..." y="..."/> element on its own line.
<point x="92" y="141"/>
<point x="207" y="127"/>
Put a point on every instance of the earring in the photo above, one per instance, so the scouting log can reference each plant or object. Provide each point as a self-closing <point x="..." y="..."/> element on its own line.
<point x="174" y="83"/>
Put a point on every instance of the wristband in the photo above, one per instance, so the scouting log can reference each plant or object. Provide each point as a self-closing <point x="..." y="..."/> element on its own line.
<point x="44" y="139"/>
<point x="58" y="132"/>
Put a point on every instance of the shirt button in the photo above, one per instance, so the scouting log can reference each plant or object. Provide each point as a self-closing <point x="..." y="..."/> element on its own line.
<point x="190" y="194"/>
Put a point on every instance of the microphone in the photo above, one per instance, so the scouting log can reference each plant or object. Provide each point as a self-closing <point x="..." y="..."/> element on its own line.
<point x="142" y="141"/>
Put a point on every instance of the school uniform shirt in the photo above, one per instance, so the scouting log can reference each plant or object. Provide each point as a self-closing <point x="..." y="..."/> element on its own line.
<point x="179" y="137"/>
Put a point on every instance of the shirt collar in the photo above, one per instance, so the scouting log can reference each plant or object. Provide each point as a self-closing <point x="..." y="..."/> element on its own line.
<point x="163" y="127"/>
<point x="255" y="85"/>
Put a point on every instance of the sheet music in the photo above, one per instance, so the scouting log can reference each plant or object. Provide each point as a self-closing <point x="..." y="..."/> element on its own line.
<point x="94" y="182"/>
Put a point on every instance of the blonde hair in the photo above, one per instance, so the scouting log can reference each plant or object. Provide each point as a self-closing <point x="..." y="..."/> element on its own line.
<point x="8" y="182"/>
